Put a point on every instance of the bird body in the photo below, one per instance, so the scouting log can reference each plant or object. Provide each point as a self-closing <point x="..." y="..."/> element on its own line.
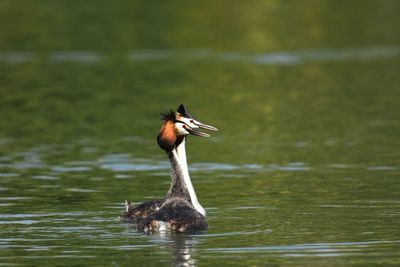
<point x="180" y="209"/>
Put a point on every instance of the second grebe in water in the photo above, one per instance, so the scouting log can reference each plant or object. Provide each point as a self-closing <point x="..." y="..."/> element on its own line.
<point x="180" y="209"/>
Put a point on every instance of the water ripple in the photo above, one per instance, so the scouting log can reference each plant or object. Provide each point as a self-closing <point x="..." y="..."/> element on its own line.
<point x="381" y="168"/>
<point x="50" y="214"/>
<point x="235" y="233"/>
<point x="326" y="248"/>
<point x="293" y="57"/>
<point x="71" y="169"/>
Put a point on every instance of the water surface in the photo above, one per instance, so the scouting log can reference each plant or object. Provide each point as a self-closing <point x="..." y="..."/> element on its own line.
<point x="304" y="170"/>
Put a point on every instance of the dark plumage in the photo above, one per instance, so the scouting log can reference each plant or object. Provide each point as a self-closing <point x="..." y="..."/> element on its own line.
<point x="184" y="111"/>
<point x="168" y="115"/>
<point x="176" y="216"/>
<point x="141" y="211"/>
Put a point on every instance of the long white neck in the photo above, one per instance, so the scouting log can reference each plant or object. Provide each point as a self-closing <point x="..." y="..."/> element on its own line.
<point x="181" y="157"/>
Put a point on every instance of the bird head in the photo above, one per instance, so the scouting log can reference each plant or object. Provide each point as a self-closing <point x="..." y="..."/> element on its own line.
<point x="177" y="125"/>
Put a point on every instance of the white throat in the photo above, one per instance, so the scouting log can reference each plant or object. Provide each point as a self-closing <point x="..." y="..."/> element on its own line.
<point x="181" y="157"/>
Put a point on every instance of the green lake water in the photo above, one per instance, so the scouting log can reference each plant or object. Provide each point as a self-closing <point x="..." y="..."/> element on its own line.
<point x="305" y="170"/>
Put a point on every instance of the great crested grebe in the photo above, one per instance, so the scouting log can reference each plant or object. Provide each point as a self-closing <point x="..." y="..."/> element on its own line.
<point x="180" y="209"/>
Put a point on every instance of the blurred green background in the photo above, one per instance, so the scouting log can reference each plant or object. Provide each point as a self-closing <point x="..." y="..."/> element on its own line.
<point x="306" y="95"/>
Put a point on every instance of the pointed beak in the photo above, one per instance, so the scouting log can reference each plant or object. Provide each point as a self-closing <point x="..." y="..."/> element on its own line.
<point x="202" y="126"/>
<point x="197" y="133"/>
<point x="205" y="126"/>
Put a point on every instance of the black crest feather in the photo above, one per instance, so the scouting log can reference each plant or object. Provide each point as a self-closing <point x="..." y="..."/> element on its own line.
<point x="184" y="111"/>
<point x="168" y="115"/>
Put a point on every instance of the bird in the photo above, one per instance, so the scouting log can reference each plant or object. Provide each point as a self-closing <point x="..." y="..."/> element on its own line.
<point x="179" y="210"/>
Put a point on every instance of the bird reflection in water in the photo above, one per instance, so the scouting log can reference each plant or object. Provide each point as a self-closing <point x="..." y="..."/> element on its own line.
<point x="181" y="246"/>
